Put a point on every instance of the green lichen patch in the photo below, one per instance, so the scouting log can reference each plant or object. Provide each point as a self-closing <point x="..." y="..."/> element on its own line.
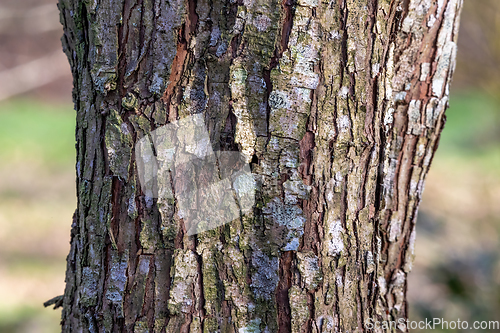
<point x="130" y="102"/>
<point x="287" y="123"/>
<point x="299" y="308"/>
<point x="119" y="142"/>
<point x="141" y="124"/>
<point x="148" y="236"/>
<point x="141" y="327"/>
<point x="183" y="272"/>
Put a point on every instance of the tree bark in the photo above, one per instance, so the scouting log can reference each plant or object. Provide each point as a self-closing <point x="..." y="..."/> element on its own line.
<point x="336" y="105"/>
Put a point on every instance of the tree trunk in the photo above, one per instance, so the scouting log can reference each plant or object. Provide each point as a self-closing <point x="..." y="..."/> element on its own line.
<point x="337" y="107"/>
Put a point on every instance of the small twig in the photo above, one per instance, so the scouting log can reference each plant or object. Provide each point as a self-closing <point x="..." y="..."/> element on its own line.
<point x="57" y="301"/>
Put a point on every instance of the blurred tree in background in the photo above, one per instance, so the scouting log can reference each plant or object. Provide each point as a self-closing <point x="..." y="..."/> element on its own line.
<point x="479" y="47"/>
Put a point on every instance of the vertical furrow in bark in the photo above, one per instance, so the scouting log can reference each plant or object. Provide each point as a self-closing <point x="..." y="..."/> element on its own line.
<point x="285" y="261"/>
<point x="282" y="299"/>
<point x="250" y="291"/>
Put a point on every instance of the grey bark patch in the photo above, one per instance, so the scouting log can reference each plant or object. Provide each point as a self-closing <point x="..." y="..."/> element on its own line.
<point x="265" y="278"/>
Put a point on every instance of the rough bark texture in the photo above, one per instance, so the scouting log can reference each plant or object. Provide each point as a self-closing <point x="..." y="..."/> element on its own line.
<point x="336" y="104"/>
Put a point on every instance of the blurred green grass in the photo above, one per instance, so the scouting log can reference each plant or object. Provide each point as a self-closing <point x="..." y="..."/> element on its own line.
<point x="37" y="199"/>
<point x="472" y="131"/>
<point x="31" y="130"/>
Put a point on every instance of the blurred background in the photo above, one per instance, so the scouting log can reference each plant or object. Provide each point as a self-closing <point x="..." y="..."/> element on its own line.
<point x="457" y="267"/>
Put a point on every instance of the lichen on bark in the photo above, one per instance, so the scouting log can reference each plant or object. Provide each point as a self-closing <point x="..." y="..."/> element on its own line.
<point x="336" y="105"/>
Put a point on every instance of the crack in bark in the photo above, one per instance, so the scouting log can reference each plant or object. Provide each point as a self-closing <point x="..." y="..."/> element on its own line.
<point x="282" y="299"/>
<point x="182" y="56"/>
